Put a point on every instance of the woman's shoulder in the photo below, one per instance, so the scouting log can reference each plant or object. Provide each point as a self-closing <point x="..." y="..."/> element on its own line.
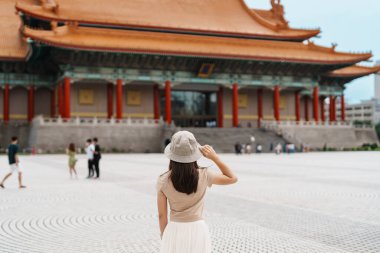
<point x="164" y="176"/>
<point x="207" y="174"/>
<point x="162" y="180"/>
<point x="203" y="170"/>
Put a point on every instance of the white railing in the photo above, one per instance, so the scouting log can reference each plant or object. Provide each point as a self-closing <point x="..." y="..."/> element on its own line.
<point x="273" y="125"/>
<point x="40" y="120"/>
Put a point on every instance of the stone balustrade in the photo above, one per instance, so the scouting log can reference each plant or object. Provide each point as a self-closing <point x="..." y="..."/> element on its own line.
<point x="272" y="125"/>
<point x="40" y="120"/>
<point x="318" y="135"/>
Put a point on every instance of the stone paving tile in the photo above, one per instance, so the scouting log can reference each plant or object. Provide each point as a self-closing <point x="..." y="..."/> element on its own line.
<point x="314" y="203"/>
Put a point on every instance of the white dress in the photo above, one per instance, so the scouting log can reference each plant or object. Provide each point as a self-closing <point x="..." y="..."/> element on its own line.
<point x="186" y="237"/>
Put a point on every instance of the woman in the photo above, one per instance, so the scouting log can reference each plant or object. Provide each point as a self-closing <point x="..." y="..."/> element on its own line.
<point x="184" y="187"/>
<point x="72" y="160"/>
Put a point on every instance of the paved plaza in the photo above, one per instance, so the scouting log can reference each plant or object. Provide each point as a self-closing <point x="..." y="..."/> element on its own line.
<point x="316" y="202"/>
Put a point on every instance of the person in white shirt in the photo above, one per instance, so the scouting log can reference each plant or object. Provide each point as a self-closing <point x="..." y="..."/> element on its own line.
<point x="278" y="149"/>
<point x="90" y="150"/>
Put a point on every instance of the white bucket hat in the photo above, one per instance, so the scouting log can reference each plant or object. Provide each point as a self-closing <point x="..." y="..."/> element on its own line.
<point x="183" y="148"/>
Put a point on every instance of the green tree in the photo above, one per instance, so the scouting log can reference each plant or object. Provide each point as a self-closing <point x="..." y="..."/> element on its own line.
<point x="378" y="130"/>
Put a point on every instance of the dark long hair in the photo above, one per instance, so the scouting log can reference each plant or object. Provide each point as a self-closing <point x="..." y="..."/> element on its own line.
<point x="72" y="147"/>
<point x="184" y="176"/>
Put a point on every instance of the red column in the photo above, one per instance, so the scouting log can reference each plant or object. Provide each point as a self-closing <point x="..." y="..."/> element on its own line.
<point x="235" y="105"/>
<point x="168" y="102"/>
<point x="6" y="104"/>
<point x="343" y="108"/>
<point x="220" y="108"/>
<point x="119" y="99"/>
<point x="334" y="109"/>
<point x="316" y="104"/>
<point x="109" y="100"/>
<point x="52" y="103"/>
<point x="60" y="99"/>
<point x="322" y="105"/>
<point x="260" y="113"/>
<point x="298" y="106"/>
<point x="67" y="97"/>
<point x="306" y="108"/>
<point x="30" y="103"/>
<point x="332" y="103"/>
<point x="277" y="103"/>
<point x="156" y="102"/>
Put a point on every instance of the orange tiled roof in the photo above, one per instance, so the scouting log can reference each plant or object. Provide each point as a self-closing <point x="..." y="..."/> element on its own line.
<point x="12" y="47"/>
<point x="231" y="17"/>
<point x="354" y="71"/>
<point x="102" y="39"/>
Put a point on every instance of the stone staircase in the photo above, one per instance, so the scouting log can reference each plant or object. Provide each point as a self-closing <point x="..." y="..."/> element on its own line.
<point x="224" y="139"/>
<point x="317" y="136"/>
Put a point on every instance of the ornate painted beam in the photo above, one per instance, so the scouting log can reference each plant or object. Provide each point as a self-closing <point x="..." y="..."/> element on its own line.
<point x="26" y="80"/>
<point x="158" y="76"/>
<point x="325" y="91"/>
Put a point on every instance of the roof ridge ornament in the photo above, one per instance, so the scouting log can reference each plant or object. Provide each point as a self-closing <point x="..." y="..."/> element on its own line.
<point x="51" y="5"/>
<point x="278" y="12"/>
<point x="310" y="43"/>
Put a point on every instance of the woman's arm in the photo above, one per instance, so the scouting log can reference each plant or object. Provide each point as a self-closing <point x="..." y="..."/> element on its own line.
<point x="228" y="176"/>
<point x="162" y="205"/>
<point x="17" y="160"/>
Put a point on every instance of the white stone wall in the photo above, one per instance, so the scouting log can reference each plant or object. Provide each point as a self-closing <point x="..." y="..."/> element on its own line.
<point x="113" y="138"/>
<point x="97" y="109"/>
<point x="18" y="103"/>
<point x="42" y="102"/>
<point x="145" y="109"/>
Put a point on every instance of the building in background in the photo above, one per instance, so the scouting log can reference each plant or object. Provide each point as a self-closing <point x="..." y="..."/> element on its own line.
<point x="377" y="84"/>
<point x="196" y="64"/>
<point x="366" y="110"/>
<point x="199" y="64"/>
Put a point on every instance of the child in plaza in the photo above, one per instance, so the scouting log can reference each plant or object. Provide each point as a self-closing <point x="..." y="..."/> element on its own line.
<point x="72" y="160"/>
<point x="14" y="163"/>
<point x="184" y="186"/>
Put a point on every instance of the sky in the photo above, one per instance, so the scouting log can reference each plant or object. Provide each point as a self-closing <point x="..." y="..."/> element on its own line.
<point x="353" y="24"/>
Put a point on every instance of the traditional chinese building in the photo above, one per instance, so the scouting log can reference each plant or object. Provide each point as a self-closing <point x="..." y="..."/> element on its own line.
<point x="195" y="62"/>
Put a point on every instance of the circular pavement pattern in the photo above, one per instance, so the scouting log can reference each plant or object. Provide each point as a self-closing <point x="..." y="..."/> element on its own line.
<point x="312" y="203"/>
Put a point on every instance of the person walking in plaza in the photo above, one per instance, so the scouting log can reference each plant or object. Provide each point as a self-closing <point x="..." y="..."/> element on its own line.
<point x="248" y="148"/>
<point x="90" y="150"/>
<point x="72" y="160"/>
<point x="14" y="163"/>
<point x="238" y="148"/>
<point x="184" y="186"/>
<point x="259" y="148"/>
<point x="97" y="156"/>
<point x="278" y="149"/>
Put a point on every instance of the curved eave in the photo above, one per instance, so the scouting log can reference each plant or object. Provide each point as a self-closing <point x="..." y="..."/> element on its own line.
<point x="12" y="59"/>
<point x="307" y="34"/>
<point x="354" y="72"/>
<point x="97" y="39"/>
<point x="299" y="35"/>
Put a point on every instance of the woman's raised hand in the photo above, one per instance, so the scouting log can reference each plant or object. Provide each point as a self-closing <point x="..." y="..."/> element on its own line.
<point x="227" y="177"/>
<point x="208" y="152"/>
